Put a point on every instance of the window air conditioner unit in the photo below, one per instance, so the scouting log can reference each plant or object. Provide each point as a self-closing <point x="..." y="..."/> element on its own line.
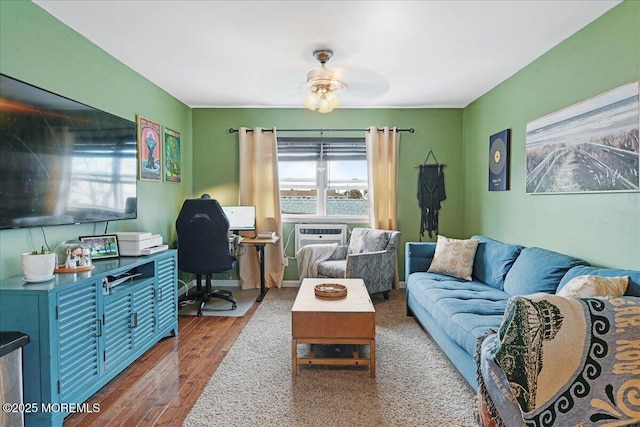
<point x="307" y="234"/>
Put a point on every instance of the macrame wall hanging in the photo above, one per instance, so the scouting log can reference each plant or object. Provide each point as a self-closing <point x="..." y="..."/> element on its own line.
<point x="430" y="194"/>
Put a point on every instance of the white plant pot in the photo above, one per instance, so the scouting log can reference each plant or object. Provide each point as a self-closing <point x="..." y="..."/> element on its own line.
<point x="38" y="267"/>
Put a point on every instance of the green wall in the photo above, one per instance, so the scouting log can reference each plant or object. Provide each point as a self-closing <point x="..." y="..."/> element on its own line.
<point x="37" y="48"/>
<point x="215" y="163"/>
<point x="602" y="228"/>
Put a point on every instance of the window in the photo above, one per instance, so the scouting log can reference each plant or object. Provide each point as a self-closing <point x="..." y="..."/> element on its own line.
<point x="323" y="177"/>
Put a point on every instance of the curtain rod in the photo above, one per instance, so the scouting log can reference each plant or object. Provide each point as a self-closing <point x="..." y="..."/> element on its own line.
<point x="232" y="130"/>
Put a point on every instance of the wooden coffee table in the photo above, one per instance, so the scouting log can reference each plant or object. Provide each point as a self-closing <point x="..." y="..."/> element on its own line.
<point x="351" y="320"/>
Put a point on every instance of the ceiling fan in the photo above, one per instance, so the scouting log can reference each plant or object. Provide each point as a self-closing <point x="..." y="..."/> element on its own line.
<point x="323" y="84"/>
<point x="356" y="86"/>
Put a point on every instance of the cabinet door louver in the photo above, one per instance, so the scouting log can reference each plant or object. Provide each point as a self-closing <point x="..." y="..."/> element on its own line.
<point x="118" y="338"/>
<point x="78" y="328"/>
<point x="167" y="290"/>
<point x="144" y="312"/>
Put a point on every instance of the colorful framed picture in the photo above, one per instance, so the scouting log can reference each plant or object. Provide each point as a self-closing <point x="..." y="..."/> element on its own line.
<point x="104" y="246"/>
<point x="171" y="160"/>
<point x="149" y="150"/>
<point x="499" y="161"/>
<point x="591" y="146"/>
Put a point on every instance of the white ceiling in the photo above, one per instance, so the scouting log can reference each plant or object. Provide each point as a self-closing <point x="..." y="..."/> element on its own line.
<point x="391" y="54"/>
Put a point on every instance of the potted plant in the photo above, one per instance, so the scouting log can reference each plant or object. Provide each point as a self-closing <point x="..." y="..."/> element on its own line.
<point x="38" y="266"/>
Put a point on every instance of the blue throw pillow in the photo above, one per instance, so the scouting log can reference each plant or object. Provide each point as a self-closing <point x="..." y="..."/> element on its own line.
<point x="634" y="277"/>
<point x="493" y="260"/>
<point x="538" y="270"/>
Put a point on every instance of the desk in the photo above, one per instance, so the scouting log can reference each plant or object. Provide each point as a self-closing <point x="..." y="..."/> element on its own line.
<point x="260" y="243"/>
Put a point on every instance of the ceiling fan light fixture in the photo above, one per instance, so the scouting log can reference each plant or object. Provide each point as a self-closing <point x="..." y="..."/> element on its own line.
<point x="311" y="100"/>
<point x="323" y="84"/>
<point x="324" y="106"/>
<point x="332" y="99"/>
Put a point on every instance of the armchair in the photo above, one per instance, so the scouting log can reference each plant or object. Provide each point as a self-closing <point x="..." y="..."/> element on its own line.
<point x="371" y="255"/>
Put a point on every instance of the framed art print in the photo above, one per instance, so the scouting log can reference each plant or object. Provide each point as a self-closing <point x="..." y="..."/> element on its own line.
<point x="104" y="246"/>
<point x="499" y="161"/>
<point x="591" y="146"/>
<point x="149" y="150"/>
<point x="171" y="160"/>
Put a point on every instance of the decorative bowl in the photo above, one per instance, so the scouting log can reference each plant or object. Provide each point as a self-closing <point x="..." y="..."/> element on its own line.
<point x="330" y="291"/>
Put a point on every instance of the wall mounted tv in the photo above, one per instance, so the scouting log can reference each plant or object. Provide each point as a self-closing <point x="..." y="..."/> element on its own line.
<point x="62" y="162"/>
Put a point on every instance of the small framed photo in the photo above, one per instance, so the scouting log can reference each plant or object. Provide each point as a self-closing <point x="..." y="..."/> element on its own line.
<point x="105" y="246"/>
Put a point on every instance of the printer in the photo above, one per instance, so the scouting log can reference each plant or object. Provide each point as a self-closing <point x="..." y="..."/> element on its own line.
<point x="138" y="243"/>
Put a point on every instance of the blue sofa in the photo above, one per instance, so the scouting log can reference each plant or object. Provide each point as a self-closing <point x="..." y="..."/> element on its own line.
<point x="456" y="312"/>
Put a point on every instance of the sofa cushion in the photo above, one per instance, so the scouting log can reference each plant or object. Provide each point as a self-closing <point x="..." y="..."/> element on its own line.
<point x="463" y="309"/>
<point x="538" y="270"/>
<point x="332" y="268"/>
<point x="633" y="288"/>
<point x="595" y="286"/>
<point x="493" y="260"/>
<point x="454" y="257"/>
<point x="364" y="240"/>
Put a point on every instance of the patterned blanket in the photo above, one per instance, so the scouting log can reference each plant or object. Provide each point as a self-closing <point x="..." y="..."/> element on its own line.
<point x="558" y="361"/>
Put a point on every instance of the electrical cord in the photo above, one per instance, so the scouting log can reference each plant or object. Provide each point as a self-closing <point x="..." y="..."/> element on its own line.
<point x="286" y="246"/>
<point x="240" y="250"/>
<point x="44" y="236"/>
<point x="183" y="283"/>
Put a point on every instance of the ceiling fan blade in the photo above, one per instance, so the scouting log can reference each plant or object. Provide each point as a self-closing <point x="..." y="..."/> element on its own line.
<point x="363" y="82"/>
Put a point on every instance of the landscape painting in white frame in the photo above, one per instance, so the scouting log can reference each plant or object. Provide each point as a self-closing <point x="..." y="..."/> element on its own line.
<point x="591" y="146"/>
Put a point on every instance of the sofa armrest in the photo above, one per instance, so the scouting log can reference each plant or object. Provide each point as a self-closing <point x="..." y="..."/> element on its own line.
<point x="357" y="263"/>
<point x="418" y="256"/>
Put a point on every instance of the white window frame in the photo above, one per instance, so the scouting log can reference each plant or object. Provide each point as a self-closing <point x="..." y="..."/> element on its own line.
<point x="321" y="184"/>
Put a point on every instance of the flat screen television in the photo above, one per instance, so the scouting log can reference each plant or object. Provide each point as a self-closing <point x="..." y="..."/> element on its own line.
<point x="61" y="161"/>
<point x="241" y="218"/>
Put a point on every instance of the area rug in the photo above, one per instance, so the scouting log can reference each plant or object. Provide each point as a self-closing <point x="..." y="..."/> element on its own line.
<point x="220" y="307"/>
<point x="416" y="385"/>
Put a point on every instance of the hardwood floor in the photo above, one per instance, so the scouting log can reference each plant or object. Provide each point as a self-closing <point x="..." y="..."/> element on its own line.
<point x="161" y="387"/>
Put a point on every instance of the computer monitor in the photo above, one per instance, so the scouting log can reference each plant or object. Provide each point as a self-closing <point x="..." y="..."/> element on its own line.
<point x="241" y="218"/>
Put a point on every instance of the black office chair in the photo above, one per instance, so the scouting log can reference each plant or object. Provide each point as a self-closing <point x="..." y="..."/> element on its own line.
<point x="203" y="246"/>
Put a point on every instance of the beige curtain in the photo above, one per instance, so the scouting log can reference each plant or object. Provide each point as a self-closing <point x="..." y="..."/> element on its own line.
<point x="382" y="165"/>
<point x="259" y="187"/>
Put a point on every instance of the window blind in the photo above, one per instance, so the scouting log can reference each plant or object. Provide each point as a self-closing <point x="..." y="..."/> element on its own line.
<point x="317" y="148"/>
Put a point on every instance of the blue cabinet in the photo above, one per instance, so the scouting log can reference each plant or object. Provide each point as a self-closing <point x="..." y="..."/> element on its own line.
<point x="83" y="334"/>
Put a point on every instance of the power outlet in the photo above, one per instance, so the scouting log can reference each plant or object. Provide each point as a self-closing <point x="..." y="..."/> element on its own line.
<point x="286" y="262"/>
